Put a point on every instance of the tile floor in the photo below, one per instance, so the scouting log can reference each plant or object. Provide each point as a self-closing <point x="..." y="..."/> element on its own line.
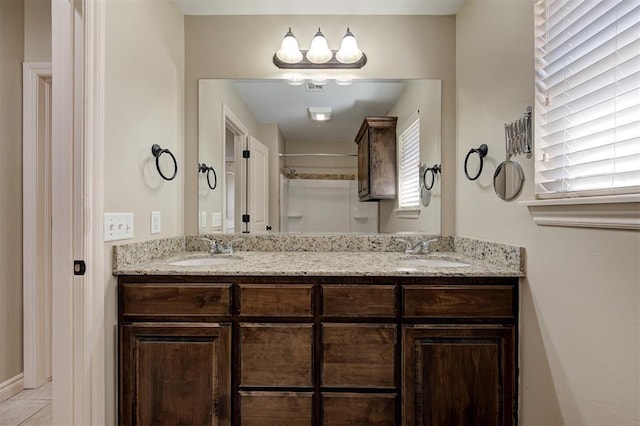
<point x="31" y="407"/>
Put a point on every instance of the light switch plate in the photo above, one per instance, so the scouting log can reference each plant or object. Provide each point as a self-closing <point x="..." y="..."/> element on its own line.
<point x="203" y="219"/>
<point x="155" y="222"/>
<point x="118" y="226"/>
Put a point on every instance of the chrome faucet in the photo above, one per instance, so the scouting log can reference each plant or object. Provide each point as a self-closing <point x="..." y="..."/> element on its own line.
<point x="218" y="247"/>
<point x="421" y="247"/>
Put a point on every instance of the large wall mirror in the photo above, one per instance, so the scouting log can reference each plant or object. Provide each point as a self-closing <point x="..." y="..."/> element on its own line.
<point x="300" y="174"/>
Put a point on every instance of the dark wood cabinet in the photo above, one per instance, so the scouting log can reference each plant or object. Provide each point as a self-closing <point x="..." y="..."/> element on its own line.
<point x="459" y="375"/>
<point x="276" y="408"/>
<point x="173" y="373"/>
<point x="358" y="355"/>
<point x="275" y="355"/>
<point x="318" y="350"/>
<point x="376" y="141"/>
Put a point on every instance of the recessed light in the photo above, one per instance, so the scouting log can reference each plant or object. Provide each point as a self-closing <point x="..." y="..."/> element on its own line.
<point x="320" y="113"/>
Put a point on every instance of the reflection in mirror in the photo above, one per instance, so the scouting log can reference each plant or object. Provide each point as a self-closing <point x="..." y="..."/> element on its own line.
<point x="508" y="179"/>
<point x="311" y="165"/>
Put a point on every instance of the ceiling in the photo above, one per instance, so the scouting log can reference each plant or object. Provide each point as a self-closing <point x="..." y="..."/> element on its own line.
<point x="275" y="101"/>
<point x="320" y="7"/>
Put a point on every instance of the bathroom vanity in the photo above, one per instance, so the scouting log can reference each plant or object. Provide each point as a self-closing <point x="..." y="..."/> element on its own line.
<point x="351" y="340"/>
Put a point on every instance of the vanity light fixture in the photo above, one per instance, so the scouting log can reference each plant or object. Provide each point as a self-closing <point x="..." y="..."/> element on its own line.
<point x="349" y="52"/>
<point x="320" y="113"/>
<point x="289" y="52"/>
<point x="319" y="52"/>
<point x="319" y="55"/>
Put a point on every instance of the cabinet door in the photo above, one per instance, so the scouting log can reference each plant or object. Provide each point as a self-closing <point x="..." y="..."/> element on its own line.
<point x="174" y="374"/>
<point x="458" y="375"/>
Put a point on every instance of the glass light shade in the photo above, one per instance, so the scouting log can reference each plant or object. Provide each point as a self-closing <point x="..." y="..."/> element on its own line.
<point x="349" y="51"/>
<point x="295" y="79"/>
<point x="289" y="51"/>
<point x="319" y="80"/>
<point x="319" y="53"/>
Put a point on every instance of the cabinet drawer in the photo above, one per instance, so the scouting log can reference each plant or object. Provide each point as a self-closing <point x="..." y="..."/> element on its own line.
<point x="358" y="409"/>
<point x="275" y="408"/>
<point x="276" y="300"/>
<point x="275" y="354"/>
<point x="458" y="301"/>
<point x="358" y="355"/>
<point x="358" y="300"/>
<point x="176" y="299"/>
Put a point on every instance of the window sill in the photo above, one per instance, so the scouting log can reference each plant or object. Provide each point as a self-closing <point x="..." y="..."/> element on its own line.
<point x="613" y="211"/>
<point x="408" y="213"/>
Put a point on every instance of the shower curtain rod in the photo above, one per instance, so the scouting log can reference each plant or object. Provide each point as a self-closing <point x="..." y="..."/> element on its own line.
<point x="317" y="155"/>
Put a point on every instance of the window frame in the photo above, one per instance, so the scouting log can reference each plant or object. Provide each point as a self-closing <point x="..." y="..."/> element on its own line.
<point x="408" y="211"/>
<point x="617" y="208"/>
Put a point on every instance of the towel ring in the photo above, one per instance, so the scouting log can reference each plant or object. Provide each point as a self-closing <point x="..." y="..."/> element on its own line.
<point x="482" y="151"/>
<point x="434" y="171"/>
<point x="157" y="152"/>
<point x="203" y="168"/>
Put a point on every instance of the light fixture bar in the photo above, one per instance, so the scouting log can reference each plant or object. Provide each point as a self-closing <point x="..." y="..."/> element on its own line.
<point x="331" y="64"/>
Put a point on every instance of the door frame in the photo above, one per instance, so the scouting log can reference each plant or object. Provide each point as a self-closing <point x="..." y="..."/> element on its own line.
<point x="241" y="135"/>
<point x="78" y="29"/>
<point x="36" y="337"/>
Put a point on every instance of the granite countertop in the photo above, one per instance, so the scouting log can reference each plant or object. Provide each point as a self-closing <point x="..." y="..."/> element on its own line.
<point x="294" y="263"/>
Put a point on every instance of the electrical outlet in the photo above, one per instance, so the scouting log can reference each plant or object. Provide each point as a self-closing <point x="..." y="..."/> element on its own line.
<point x="155" y="222"/>
<point x="118" y="226"/>
<point x="203" y="219"/>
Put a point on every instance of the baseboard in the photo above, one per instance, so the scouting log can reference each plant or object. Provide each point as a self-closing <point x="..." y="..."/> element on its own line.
<point x="11" y="387"/>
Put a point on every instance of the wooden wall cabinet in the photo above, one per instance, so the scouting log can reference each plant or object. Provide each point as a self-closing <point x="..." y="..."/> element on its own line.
<point x="377" y="174"/>
<point x="317" y="350"/>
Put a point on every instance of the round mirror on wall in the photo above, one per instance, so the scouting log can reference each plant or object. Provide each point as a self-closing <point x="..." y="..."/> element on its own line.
<point x="508" y="179"/>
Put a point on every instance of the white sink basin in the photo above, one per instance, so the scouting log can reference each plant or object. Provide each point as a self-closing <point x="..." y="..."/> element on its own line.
<point x="207" y="261"/>
<point x="430" y="262"/>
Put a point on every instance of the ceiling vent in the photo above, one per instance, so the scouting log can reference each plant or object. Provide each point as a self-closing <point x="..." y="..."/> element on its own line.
<point x="313" y="87"/>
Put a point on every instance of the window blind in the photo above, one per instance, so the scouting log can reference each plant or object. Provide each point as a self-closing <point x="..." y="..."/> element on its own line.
<point x="409" y="165"/>
<point x="587" y="97"/>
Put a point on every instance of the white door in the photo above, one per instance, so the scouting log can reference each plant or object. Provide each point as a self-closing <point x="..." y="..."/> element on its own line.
<point x="258" y="186"/>
<point x="78" y="314"/>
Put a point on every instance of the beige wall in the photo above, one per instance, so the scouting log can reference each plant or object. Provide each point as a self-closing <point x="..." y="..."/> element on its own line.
<point x="37" y="30"/>
<point x="580" y="300"/>
<point x="212" y="95"/>
<point x="25" y="35"/>
<point x="11" y="54"/>
<point x="423" y="96"/>
<point x="396" y="47"/>
<point x="144" y="104"/>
